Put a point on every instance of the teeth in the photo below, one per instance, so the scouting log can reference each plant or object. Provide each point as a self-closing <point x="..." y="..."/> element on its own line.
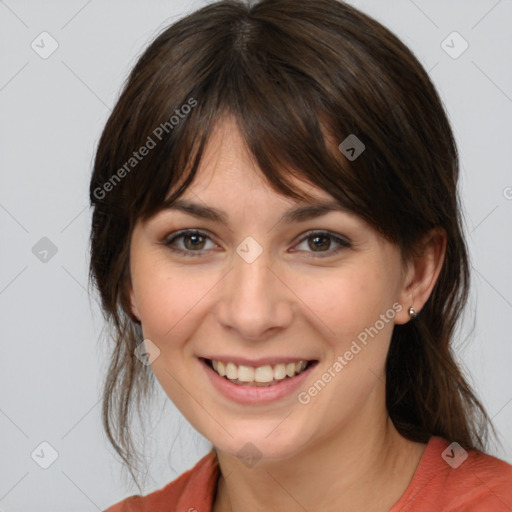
<point x="246" y="373"/>
<point x="262" y="374"/>
<point x="280" y="371"/>
<point x="290" y="369"/>
<point x="231" y="371"/>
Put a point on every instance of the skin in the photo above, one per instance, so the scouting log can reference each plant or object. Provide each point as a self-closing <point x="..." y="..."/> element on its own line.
<point x="339" y="452"/>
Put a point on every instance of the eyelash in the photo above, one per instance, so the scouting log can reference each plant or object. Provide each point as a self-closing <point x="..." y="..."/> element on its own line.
<point x="342" y="244"/>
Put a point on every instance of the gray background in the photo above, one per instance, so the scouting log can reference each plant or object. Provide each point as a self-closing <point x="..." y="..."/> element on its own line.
<point x="52" y="112"/>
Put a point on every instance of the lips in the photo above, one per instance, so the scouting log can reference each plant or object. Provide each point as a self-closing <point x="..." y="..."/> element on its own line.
<point x="254" y="393"/>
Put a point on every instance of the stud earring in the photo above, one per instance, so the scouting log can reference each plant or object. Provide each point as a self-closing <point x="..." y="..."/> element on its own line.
<point x="412" y="313"/>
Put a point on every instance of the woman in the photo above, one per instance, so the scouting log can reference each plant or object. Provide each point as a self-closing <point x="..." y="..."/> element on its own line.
<point x="276" y="237"/>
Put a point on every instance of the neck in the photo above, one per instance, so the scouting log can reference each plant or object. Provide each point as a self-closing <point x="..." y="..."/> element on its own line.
<point x="355" y="469"/>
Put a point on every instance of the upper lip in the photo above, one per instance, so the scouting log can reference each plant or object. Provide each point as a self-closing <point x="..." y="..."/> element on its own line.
<point x="262" y="361"/>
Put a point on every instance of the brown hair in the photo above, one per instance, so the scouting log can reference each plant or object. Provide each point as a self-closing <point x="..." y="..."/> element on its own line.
<point x="291" y="72"/>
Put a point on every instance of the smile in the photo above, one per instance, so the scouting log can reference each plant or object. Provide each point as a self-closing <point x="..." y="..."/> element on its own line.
<point x="266" y="375"/>
<point x="240" y="381"/>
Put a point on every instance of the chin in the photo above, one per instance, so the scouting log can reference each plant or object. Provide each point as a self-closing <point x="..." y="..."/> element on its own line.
<point x="256" y="444"/>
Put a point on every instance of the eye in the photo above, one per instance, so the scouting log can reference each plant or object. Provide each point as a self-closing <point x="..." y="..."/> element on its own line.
<point x="321" y="241"/>
<point x="193" y="242"/>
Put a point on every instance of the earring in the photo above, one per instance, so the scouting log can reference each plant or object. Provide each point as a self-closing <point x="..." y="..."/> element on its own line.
<point x="412" y="313"/>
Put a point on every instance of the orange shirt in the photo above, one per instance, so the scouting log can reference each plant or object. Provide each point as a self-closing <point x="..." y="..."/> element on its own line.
<point x="444" y="481"/>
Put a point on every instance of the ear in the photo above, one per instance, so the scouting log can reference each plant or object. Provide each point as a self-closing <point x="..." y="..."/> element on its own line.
<point x="421" y="273"/>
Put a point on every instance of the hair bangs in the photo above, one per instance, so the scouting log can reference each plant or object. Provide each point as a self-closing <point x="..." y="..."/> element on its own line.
<point x="285" y="124"/>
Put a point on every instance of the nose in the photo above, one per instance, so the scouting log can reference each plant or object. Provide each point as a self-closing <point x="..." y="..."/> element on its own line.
<point x="255" y="300"/>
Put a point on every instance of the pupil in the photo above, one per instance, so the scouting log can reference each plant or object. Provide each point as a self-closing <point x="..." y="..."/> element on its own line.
<point x="196" y="237"/>
<point x="324" y="245"/>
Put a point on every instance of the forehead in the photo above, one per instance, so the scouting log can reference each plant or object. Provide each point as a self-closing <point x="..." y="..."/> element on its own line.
<point x="223" y="193"/>
<point x="228" y="170"/>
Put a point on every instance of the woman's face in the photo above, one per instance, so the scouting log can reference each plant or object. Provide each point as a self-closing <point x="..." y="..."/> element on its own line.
<point x="264" y="289"/>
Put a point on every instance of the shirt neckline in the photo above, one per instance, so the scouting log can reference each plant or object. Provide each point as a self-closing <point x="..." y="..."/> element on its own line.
<point x="418" y="481"/>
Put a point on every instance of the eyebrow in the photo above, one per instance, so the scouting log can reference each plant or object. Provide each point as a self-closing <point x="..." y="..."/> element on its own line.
<point x="298" y="214"/>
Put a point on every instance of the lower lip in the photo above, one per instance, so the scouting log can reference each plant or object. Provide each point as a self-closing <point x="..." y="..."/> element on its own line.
<point x="247" y="394"/>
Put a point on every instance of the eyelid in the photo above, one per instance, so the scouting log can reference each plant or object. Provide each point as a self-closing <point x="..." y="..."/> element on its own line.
<point x="342" y="241"/>
<point x="170" y="239"/>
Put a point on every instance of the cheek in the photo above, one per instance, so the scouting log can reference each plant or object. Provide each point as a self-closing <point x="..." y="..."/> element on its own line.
<point x="168" y="297"/>
<point x="345" y="301"/>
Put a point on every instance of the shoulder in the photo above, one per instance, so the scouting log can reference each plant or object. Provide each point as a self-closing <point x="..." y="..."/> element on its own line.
<point x="485" y="483"/>
<point x="450" y="479"/>
<point x="193" y="490"/>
